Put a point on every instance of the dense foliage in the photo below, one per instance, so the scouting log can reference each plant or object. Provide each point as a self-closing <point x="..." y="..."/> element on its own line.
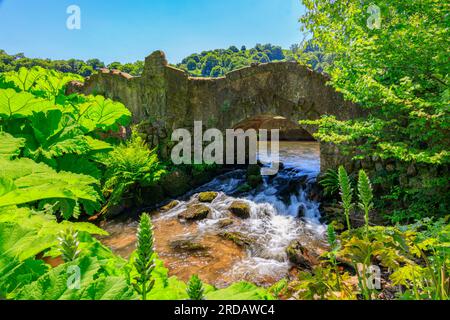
<point x="216" y="63"/>
<point x="54" y="164"/>
<point x="83" y="68"/>
<point x="213" y="63"/>
<point x="398" y="73"/>
<point x="376" y="262"/>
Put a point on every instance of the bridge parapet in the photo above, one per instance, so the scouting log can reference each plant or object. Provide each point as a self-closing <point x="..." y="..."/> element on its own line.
<point x="166" y="98"/>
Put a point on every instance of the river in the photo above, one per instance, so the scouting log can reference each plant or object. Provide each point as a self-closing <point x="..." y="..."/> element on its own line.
<point x="282" y="209"/>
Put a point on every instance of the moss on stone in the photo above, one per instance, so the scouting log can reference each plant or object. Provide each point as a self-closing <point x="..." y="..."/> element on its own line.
<point x="186" y="245"/>
<point x="195" y="212"/>
<point x="223" y="223"/>
<point x="238" y="238"/>
<point x="240" y="209"/>
<point x="207" y="196"/>
<point x="300" y="255"/>
<point x="172" y="204"/>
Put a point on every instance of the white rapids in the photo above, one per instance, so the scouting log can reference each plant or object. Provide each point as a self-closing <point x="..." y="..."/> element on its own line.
<point x="281" y="211"/>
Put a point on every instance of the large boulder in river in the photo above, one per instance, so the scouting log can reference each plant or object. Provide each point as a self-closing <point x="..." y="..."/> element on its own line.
<point x="240" y="209"/>
<point x="207" y="196"/>
<point x="195" y="212"/>
<point x="301" y="256"/>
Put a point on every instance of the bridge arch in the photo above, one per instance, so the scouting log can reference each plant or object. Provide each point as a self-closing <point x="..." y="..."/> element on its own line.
<point x="166" y="98"/>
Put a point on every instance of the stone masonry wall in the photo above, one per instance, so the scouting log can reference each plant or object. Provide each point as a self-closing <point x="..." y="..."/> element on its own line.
<point x="165" y="98"/>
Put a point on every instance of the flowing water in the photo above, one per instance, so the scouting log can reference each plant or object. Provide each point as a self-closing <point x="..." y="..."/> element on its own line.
<point x="282" y="209"/>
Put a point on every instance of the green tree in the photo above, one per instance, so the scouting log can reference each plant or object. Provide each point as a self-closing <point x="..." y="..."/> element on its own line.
<point x="210" y="62"/>
<point x="394" y="65"/>
<point x="191" y="65"/>
<point x="233" y="49"/>
<point x="115" y="65"/>
<point x="217" y="71"/>
<point x="95" y="63"/>
<point x="86" y="71"/>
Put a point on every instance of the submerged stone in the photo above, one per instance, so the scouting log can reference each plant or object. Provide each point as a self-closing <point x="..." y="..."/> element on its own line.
<point x="186" y="245"/>
<point x="238" y="238"/>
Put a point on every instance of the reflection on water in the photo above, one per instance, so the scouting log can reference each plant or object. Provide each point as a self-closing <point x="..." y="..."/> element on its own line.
<point x="304" y="156"/>
<point x="281" y="210"/>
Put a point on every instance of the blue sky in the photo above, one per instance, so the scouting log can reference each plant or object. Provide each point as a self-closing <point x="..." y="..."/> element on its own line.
<point x="126" y="31"/>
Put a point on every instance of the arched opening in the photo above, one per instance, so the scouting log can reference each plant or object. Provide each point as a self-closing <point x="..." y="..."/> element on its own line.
<point x="297" y="147"/>
<point x="289" y="130"/>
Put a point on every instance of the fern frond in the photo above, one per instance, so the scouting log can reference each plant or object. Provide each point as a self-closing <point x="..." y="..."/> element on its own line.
<point x="346" y="192"/>
<point x="365" y="195"/>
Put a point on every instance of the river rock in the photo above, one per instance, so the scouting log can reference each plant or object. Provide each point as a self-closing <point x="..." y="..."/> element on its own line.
<point x="238" y="238"/>
<point x="223" y="223"/>
<point x="172" y="204"/>
<point x="240" y="209"/>
<point x="301" y="211"/>
<point x="300" y="256"/>
<point x="195" y="212"/>
<point x="188" y="245"/>
<point x="207" y="196"/>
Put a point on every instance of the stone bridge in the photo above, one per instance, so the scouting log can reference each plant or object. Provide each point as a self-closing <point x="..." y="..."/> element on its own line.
<point x="166" y="98"/>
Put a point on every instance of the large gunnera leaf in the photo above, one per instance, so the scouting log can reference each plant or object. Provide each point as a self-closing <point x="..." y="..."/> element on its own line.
<point x="24" y="79"/>
<point x="10" y="146"/>
<point x="103" y="114"/>
<point x="53" y="135"/>
<point x="24" y="181"/>
<point x="61" y="283"/>
<point x="25" y="233"/>
<point x="15" y="105"/>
